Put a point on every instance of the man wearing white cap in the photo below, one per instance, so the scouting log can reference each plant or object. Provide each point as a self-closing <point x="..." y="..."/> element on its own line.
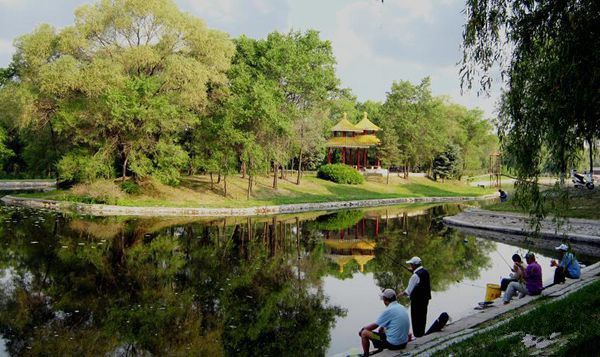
<point x="419" y="291"/>
<point x="393" y="326"/>
<point x="567" y="267"/>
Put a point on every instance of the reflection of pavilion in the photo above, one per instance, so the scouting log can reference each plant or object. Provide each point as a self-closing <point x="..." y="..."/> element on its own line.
<point x="344" y="251"/>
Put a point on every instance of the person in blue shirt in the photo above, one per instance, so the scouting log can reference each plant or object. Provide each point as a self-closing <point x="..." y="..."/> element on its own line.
<point x="393" y="324"/>
<point x="568" y="267"/>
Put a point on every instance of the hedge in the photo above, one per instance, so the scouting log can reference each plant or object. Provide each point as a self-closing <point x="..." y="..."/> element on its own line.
<point x="340" y="173"/>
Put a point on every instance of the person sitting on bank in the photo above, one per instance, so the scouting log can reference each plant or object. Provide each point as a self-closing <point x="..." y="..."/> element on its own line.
<point x="393" y="326"/>
<point x="503" y="195"/>
<point x="568" y="267"/>
<point x="532" y="284"/>
<point x="517" y="272"/>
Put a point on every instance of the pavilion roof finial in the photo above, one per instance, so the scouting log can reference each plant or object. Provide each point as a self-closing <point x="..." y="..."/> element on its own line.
<point x="366" y="124"/>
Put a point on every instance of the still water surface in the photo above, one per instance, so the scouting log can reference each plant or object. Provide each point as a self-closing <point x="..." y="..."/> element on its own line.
<point x="288" y="285"/>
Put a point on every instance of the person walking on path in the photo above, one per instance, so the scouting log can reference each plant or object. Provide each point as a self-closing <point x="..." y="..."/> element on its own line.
<point x="419" y="291"/>
<point x="567" y="267"/>
<point x="393" y="326"/>
<point x="533" y="281"/>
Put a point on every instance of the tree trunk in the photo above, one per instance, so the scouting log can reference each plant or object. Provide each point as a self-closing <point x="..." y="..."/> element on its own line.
<point x="125" y="166"/>
<point x="299" y="167"/>
<point x="249" y="187"/>
<point x="275" y="173"/>
<point x="225" y="185"/>
<point x="387" y="182"/>
<point x="591" y="144"/>
<point x="212" y="182"/>
<point x="243" y="169"/>
<point x="219" y="178"/>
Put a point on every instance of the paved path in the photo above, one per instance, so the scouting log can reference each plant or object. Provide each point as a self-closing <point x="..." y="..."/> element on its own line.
<point x="498" y="314"/>
<point x="584" y="230"/>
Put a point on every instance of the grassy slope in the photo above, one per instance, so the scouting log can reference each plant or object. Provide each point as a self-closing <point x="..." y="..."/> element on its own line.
<point x="577" y="318"/>
<point x="195" y="192"/>
<point x="582" y="204"/>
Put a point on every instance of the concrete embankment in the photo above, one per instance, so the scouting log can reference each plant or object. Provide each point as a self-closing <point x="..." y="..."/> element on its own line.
<point x="111" y="210"/>
<point x="24" y="185"/>
<point x="496" y="315"/>
<point x="512" y="227"/>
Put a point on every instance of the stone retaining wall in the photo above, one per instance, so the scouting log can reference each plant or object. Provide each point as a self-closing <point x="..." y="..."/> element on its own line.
<point x="111" y="210"/>
<point x="26" y="185"/>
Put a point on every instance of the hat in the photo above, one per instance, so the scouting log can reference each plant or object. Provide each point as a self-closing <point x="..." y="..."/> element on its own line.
<point x="529" y="255"/>
<point x="414" y="260"/>
<point x="389" y="294"/>
<point x="562" y="247"/>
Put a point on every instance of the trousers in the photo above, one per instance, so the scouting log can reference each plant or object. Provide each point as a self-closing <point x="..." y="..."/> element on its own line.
<point x="418" y="316"/>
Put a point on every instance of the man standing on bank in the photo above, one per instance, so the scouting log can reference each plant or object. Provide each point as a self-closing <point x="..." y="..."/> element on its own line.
<point x="419" y="291"/>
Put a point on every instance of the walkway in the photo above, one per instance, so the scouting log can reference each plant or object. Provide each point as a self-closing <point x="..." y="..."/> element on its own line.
<point x="497" y="315"/>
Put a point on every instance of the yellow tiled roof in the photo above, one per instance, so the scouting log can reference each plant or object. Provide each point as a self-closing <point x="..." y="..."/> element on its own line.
<point x="345" y="125"/>
<point x="366" y="124"/>
<point x="359" y="141"/>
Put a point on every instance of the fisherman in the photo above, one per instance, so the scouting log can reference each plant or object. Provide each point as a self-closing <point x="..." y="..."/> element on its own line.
<point x="393" y="326"/>
<point x="517" y="272"/>
<point x="503" y="195"/>
<point x="532" y="284"/>
<point x="567" y="267"/>
<point x="419" y="291"/>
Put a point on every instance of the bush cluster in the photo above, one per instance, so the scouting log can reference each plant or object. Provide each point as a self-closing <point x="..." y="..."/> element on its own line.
<point x="340" y="173"/>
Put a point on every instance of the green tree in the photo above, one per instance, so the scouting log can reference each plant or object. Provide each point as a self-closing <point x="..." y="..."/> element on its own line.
<point x="388" y="151"/>
<point x="120" y="86"/>
<point x="550" y="105"/>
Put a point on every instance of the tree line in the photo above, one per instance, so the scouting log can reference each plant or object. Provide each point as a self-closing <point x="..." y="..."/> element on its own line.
<point x="138" y="89"/>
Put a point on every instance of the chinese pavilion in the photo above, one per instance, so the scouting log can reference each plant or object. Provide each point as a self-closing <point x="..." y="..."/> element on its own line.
<point x="354" y="141"/>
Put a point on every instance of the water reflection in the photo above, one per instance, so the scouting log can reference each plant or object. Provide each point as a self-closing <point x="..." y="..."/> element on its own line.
<point x="235" y="286"/>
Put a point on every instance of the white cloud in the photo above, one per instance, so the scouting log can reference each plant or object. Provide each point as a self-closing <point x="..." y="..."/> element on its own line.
<point x="221" y="11"/>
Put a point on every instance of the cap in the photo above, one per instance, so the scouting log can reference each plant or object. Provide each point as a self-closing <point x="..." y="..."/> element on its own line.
<point x="389" y="294"/>
<point x="562" y="247"/>
<point x="529" y="255"/>
<point x="414" y="260"/>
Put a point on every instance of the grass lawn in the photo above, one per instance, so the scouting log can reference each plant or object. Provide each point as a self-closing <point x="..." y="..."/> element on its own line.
<point x="195" y="191"/>
<point x="576" y="318"/>
<point x="582" y="204"/>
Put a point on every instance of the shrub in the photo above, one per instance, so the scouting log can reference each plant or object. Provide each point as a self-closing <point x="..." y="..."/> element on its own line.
<point x="100" y="191"/>
<point x="130" y="187"/>
<point x="340" y="173"/>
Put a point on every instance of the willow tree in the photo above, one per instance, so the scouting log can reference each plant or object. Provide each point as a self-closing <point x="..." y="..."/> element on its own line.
<point x="549" y="54"/>
<point x="119" y="86"/>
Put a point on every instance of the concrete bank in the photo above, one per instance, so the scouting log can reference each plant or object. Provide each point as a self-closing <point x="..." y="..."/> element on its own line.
<point x="111" y="210"/>
<point x="18" y="185"/>
<point x="490" y="318"/>
<point x="506" y="226"/>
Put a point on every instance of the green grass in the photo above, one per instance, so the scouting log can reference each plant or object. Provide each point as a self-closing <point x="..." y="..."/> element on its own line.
<point x="582" y="204"/>
<point x="576" y="318"/>
<point x="196" y="192"/>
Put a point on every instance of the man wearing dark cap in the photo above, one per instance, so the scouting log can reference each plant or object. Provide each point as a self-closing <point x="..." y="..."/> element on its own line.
<point x="532" y="284"/>
<point x="393" y="326"/>
<point x="419" y="291"/>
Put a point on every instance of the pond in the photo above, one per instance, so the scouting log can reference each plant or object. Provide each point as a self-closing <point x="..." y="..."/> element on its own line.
<point x="287" y="285"/>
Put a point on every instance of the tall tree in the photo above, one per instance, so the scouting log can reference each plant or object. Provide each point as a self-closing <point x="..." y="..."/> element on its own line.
<point x="120" y="86"/>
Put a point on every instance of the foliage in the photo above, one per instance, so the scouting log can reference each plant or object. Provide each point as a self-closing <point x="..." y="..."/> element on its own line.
<point x="448" y="164"/>
<point x="340" y="173"/>
<point x="550" y="106"/>
<point x="119" y="86"/>
<point x="130" y="187"/>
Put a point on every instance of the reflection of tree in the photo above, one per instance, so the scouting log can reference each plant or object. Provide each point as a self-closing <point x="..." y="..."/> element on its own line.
<point x="447" y="255"/>
<point x="200" y="289"/>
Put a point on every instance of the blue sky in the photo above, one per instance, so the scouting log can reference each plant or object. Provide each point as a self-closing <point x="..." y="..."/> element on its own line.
<point x="375" y="43"/>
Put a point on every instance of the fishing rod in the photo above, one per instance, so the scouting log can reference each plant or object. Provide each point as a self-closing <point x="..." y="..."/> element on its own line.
<point x="501" y="256"/>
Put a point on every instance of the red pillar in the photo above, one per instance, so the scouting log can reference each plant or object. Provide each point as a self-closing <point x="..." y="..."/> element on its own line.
<point x="363" y="226"/>
<point x="343" y="155"/>
<point x="329" y="155"/>
<point x="358" y="153"/>
<point x="366" y="162"/>
<point x="356" y="231"/>
<point x="377" y="226"/>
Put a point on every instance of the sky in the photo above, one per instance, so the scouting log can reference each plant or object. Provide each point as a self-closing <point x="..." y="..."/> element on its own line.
<point x="374" y="43"/>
